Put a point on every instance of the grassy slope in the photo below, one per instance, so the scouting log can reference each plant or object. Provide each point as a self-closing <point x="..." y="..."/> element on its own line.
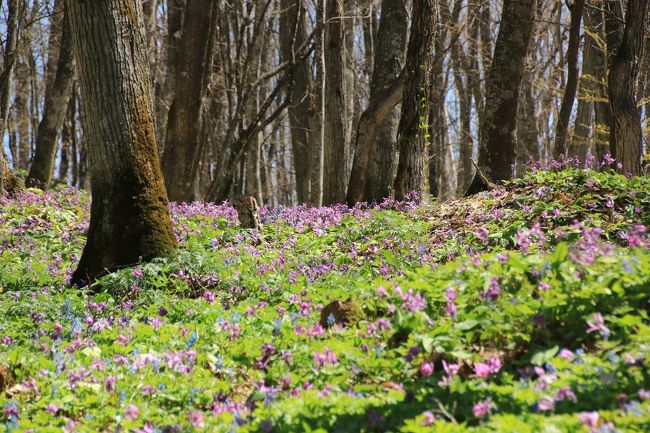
<point x="224" y="336"/>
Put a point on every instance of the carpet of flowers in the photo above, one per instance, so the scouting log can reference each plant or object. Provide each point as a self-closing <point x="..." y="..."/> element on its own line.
<point x="522" y="309"/>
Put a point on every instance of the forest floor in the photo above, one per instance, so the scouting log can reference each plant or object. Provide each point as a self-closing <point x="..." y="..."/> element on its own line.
<point x="524" y="309"/>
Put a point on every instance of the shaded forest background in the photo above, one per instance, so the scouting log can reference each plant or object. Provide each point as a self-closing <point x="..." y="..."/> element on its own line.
<point x="299" y="101"/>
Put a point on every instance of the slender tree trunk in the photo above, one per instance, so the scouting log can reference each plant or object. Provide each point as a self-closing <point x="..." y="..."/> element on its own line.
<point x="412" y="133"/>
<point x="375" y="147"/>
<point x="626" y="137"/>
<point x="129" y="220"/>
<point x="603" y="111"/>
<point x="334" y="145"/>
<point x="573" y="77"/>
<point x="8" y="181"/>
<point x="585" y="126"/>
<point x="438" y="118"/>
<point x="498" y="128"/>
<point x="293" y="35"/>
<point x="182" y="147"/>
<point x="57" y="94"/>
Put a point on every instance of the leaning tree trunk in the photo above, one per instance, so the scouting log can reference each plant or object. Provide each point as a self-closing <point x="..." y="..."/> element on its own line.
<point x="334" y="173"/>
<point x="375" y="148"/>
<point x="498" y="126"/>
<point x="129" y="219"/>
<point x="57" y="94"/>
<point x="626" y="137"/>
<point x="412" y="134"/>
<point x="182" y="146"/>
<point x="573" y="77"/>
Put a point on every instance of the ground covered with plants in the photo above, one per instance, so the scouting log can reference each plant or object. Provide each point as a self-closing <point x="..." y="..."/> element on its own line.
<point x="522" y="309"/>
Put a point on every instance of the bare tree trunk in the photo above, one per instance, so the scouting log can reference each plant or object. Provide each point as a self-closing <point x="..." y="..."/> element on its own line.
<point x="498" y="128"/>
<point x="8" y="180"/>
<point x="626" y="138"/>
<point x="129" y="220"/>
<point x="415" y="100"/>
<point x="573" y="77"/>
<point x="57" y="94"/>
<point x="375" y="147"/>
<point x="334" y="145"/>
<point x="293" y="35"/>
<point x="438" y="117"/>
<point x="183" y="147"/>
<point x="601" y="105"/>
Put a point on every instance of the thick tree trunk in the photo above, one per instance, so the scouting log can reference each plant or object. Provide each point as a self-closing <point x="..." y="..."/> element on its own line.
<point x="573" y="77"/>
<point x="182" y="146"/>
<point x="334" y="173"/>
<point x="375" y="148"/>
<point x="626" y="138"/>
<point x="129" y="220"/>
<point x="412" y="133"/>
<point x="57" y="94"/>
<point x="498" y="127"/>
<point x="293" y="35"/>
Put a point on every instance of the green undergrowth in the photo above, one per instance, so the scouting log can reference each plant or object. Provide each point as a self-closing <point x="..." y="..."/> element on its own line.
<point x="523" y="309"/>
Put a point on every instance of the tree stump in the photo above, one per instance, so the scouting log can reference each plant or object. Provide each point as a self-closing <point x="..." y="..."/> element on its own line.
<point x="248" y="212"/>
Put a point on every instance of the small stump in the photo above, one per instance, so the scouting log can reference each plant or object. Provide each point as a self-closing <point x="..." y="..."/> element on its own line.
<point x="248" y="212"/>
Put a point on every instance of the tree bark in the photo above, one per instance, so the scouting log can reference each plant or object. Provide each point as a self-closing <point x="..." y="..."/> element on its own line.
<point x="57" y="94"/>
<point x="182" y="146"/>
<point x="375" y="147"/>
<point x="498" y="127"/>
<point x="7" y="177"/>
<point x="413" y="131"/>
<point x="573" y="77"/>
<point x="129" y="220"/>
<point x="626" y="137"/>
<point x="293" y="35"/>
<point x="334" y="174"/>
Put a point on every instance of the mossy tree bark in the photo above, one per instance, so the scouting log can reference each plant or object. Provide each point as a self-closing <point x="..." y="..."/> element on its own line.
<point x="626" y="137"/>
<point x="415" y="99"/>
<point x="129" y="219"/>
<point x="498" y="125"/>
<point x="57" y="94"/>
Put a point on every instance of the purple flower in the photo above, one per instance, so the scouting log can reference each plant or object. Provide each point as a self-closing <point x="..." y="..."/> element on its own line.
<point x="483" y="408"/>
<point x="565" y="393"/>
<point x="546" y="404"/>
<point x="429" y="418"/>
<point x="137" y="273"/>
<point x="482" y="233"/>
<point x="209" y="296"/>
<point x="589" y="419"/>
<point x="566" y="354"/>
<point x="494" y="290"/>
<point x="481" y="369"/>
<point x="597" y="324"/>
<point x="131" y="412"/>
<point x="10" y="410"/>
<point x="52" y="408"/>
<point x="109" y="383"/>
<point x="196" y="419"/>
<point x="426" y="369"/>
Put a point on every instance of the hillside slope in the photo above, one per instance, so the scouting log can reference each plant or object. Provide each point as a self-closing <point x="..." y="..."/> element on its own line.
<point x="519" y="310"/>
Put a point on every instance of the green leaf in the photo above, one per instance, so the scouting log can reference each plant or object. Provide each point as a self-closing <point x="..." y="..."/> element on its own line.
<point x="541" y="357"/>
